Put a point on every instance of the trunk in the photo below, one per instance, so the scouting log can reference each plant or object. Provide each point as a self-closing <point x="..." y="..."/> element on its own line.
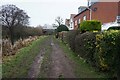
<point x="12" y="36"/>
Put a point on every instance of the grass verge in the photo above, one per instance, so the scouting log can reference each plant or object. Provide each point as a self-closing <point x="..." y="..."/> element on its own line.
<point x="82" y="69"/>
<point x="17" y="66"/>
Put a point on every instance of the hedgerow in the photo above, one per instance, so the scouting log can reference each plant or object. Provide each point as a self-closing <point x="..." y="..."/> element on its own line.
<point x="85" y="46"/>
<point x="101" y="49"/>
<point x="90" y="26"/>
<point x="108" y="51"/>
<point x="71" y="35"/>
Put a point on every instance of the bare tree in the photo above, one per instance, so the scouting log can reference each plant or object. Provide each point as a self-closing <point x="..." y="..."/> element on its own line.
<point x="40" y="29"/>
<point x="12" y="16"/>
<point x="59" y="20"/>
<point x="54" y="25"/>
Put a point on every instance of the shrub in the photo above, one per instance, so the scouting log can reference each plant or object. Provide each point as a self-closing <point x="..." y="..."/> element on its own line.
<point x="62" y="36"/>
<point x="62" y="28"/>
<point x="65" y="40"/>
<point x="90" y="26"/>
<point x="70" y="38"/>
<point x="114" y="28"/>
<point x="101" y="49"/>
<point x="85" y="46"/>
<point x="108" y="51"/>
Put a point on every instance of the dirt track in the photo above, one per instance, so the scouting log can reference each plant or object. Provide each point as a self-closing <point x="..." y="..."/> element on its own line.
<point x="57" y="65"/>
<point x="60" y="65"/>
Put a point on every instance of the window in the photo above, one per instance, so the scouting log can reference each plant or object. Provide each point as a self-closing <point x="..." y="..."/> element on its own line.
<point x="75" y="22"/>
<point x="84" y="18"/>
<point x="118" y="19"/>
<point x="79" y="21"/>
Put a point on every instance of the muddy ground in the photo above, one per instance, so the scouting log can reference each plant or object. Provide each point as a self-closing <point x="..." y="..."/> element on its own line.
<point x="51" y="63"/>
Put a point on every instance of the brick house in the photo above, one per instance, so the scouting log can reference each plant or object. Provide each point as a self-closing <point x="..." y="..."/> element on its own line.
<point x="69" y="22"/>
<point x="105" y="12"/>
<point x="72" y="21"/>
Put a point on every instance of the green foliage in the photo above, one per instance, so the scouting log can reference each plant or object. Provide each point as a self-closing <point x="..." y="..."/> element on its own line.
<point x="62" y="28"/>
<point x="107" y="51"/>
<point x="85" y="46"/>
<point x="90" y="26"/>
<point x="114" y="28"/>
<point x="82" y="69"/>
<point x="101" y="49"/>
<point x="70" y="38"/>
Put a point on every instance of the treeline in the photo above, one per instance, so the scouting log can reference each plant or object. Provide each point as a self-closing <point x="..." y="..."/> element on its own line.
<point x="21" y="32"/>
<point x="15" y="24"/>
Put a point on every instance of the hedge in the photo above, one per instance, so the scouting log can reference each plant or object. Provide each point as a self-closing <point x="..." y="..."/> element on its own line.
<point x="114" y="28"/>
<point x="108" y="51"/>
<point x="71" y="38"/>
<point x="90" y="26"/>
<point x="101" y="49"/>
<point x="85" y="46"/>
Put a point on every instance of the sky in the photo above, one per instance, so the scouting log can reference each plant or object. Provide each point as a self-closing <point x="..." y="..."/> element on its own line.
<point x="45" y="11"/>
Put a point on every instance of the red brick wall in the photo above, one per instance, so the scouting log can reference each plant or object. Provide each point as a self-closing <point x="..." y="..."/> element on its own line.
<point x="106" y="12"/>
<point x="81" y="17"/>
<point x="119" y="8"/>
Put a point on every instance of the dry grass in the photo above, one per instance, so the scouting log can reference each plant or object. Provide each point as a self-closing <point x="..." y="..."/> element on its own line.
<point x="9" y="49"/>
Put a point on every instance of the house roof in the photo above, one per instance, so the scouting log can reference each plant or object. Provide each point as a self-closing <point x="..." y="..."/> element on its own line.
<point x="80" y="13"/>
<point x="84" y="10"/>
<point x="72" y="16"/>
<point x="67" y="21"/>
<point x="82" y="6"/>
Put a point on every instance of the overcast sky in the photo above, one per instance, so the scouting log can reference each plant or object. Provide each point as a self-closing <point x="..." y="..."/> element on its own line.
<point x="45" y="11"/>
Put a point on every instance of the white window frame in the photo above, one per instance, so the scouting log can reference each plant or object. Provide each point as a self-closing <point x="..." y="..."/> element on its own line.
<point x="79" y="21"/>
<point x="75" y="22"/>
<point x="84" y="17"/>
